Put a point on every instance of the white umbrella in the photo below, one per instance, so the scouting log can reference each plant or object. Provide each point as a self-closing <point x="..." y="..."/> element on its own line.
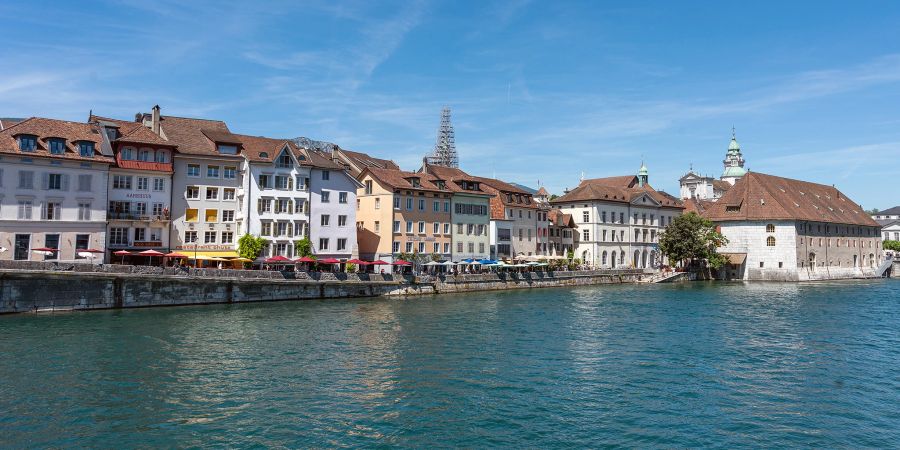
<point x="432" y="263"/>
<point x="3" y="249"/>
<point x="449" y="263"/>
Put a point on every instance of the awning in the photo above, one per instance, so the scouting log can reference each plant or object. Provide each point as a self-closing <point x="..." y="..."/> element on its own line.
<point x="735" y="258"/>
<point x="210" y="255"/>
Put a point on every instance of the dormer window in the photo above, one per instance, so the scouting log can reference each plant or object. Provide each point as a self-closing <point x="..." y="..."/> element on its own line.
<point x="228" y="149"/>
<point x="27" y="143"/>
<point x="86" y="149"/>
<point x="263" y="154"/>
<point x="127" y="153"/>
<point x="57" y="146"/>
<point x="284" y="161"/>
<point x="162" y="156"/>
<point x="413" y="181"/>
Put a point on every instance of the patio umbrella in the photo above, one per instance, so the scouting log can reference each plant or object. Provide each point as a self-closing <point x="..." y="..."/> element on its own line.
<point x="401" y="262"/>
<point x="151" y="254"/>
<point x="241" y="260"/>
<point x="379" y="262"/>
<point x="123" y="254"/>
<point x="305" y="259"/>
<point x="358" y="262"/>
<point x="46" y="251"/>
<point x="432" y="263"/>
<point x="277" y="259"/>
<point x="329" y="261"/>
<point x="88" y="253"/>
<point x="176" y="255"/>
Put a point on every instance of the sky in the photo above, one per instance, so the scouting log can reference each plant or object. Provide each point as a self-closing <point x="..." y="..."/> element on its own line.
<point x="539" y="91"/>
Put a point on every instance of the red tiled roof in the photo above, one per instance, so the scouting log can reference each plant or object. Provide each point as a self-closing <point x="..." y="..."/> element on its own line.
<point x="622" y="189"/>
<point x="399" y="179"/>
<point x="363" y="160"/>
<point x="453" y="178"/>
<point x="560" y="219"/>
<point x="757" y="196"/>
<point x="44" y="129"/>
<point x="192" y="135"/>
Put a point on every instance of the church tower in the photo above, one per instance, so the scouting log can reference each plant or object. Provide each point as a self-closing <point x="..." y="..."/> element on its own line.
<point x="734" y="162"/>
<point x="643" y="175"/>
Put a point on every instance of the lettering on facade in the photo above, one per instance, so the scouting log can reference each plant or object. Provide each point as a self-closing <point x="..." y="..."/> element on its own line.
<point x="201" y="247"/>
<point x="132" y="195"/>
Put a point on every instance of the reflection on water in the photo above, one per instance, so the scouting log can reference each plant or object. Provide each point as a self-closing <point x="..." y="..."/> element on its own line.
<point x="684" y="365"/>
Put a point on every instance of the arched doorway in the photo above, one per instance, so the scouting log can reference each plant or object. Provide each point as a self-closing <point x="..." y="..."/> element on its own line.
<point x="812" y="260"/>
<point x="644" y="259"/>
<point x="613" y="259"/>
<point x="872" y="260"/>
<point x="637" y="259"/>
<point x="604" y="257"/>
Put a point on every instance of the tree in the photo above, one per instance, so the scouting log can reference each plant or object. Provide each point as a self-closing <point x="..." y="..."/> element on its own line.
<point x="250" y="246"/>
<point x="691" y="237"/>
<point x="553" y="197"/>
<point x="891" y="245"/>
<point x="872" y="211"/>
<point x="303" y="247"/>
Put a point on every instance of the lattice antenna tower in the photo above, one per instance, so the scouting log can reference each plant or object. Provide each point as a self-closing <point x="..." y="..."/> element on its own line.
<point x="444" y="153"/>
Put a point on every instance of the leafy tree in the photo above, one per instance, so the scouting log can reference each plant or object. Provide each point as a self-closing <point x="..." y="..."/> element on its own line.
<point x="570" y="255"/>
<point x="553" y="197"/>
<point x="872" y="211"/>
<point x="691" y="237"/>
<point x="891" y="245"/>
<point x="250" y="246"/>
<point x="303" y="247"/>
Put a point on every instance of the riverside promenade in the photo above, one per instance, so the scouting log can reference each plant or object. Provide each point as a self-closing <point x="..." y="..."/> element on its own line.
<point x="45" y="287"/>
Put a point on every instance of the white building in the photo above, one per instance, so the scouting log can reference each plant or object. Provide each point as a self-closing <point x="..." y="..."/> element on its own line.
<point x="783" y="229"/>
<point x="332" y="208"/>
<point x="696" y="186"/>
<point x="53" y="178"/>
<point x="619" y="220"/>
<point x="514" y="220"/>
<point x="139" y="188"/>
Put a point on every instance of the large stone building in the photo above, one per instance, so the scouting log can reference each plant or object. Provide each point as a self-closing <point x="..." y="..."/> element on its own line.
<point x="791" y="230"/>
<point x="619" y="220"/>
<point x="704" y="187"/>
<point x="53" y="177"/>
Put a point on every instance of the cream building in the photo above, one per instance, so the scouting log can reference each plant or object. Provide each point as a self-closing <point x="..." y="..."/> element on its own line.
<point x="470" y="216"/>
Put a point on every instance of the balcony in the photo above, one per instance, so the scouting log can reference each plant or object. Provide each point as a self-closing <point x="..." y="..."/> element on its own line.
<point x="137" y="217"/>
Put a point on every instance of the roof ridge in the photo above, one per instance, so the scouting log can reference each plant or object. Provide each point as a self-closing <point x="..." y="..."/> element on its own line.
<point x="18" y="123"/>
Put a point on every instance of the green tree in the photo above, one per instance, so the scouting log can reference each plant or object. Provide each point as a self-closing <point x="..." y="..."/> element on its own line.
<point x="690" y="237"/>
<point x="250" y="246"/>
<point x="303" y="247"/>
<point x="872" y="211"/>
<point x="891" y="245"/>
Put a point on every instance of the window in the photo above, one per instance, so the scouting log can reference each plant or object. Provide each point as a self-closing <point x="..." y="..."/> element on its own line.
<point x="421" y="227"/>
<point x="377" y="203"/>
<point x="377" y="226"/>
<point x="227" y="149"/>
<point x="209" y="237"/>
<point x="409" y="203"/>
<point x="446" y="206"/>
<point x="368" y="185"/>
<point x="24" y="210"/>
<point x="437" y="227"/>
<point x="26" y="179"/>
<point x="396" y="226"/>
<point x="342" y="221"/>
<point x="228" y="194"/>
<point x="395" y="247"/>
<point x="447" y="228"/>
<point x="586" y="234"/>
<point x="342" y="197"/>
<point x="437" y="206"/>
<point x="326" y="175"/>
<point x="118" y="236"/>
<point x="421" y="204"/>
<point x="282" y="206"/>
<point x="265" y="229"/>
<point x="144" y="155"/>
<point x="191" y="214"/>
<point x="193" y="170"/>
<point x="54" y="181"/>
<point x="459" y="247"/>
<point x="140" y="234"/>
<point x="264" y="205"/>
<point x="325" y="219"/>
<point x="396" y="202"/>
<point x="459" y="228"/>
<point x="586" y="216"/>
<point x="471" y="247"/>
<point x="299" y="206"/>
<point x="121" y="182"/>
<point x="281" y="182"/>
<point x="770" y="228"/>
<point x="342" y="244"/>
<point x="421" y="247"/>
<point x="192" y="193"/>
<point x="326" y="196"/>
<point x="229" y="172"/>
<point x="143" y="183"/>
<point x="212" y="193"/>
<point x="323" y="243"/>
<point x="82" y="241"/>
<point x="446" y="247"/>
<point x="57" y="146"/>
<point x="227" y="215"/>
<point x="212" y="171"/>
<point x="770" y="241"/>
<point x="158" y="209"/>
<point x="409" y="247"/>
<point x="27" y="143"/>
<point x="86" y="149"/>
<point x="265" y="181"/>
<point x="302" y="183"/>
<point x="227" y="237"/>
<point x="621" y="217"/>
<point x="159" y="184"/>
<point x="84" y="211"/>
<point x="161" y="156"/>
<point x="409" y="227"/>
<point x="281" y="229"/>
<point x="52" y="211"/>
<point x="436" y="248"/>
<point x="212" y="215"/>
<point x="284" y="161"/>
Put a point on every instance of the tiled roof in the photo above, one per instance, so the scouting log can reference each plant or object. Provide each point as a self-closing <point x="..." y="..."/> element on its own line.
<point x="696" y="205"/>
<point x="263" y="149"/>
<point x="721" y="185"/>
<point x="6" y="122"/>
<point x="363" y="160"/>
<point x="560" y="219"/>
<point x="399" y="179"/>
<point x="192" y="135"/>
<point x="888" y="222"/>
<point x="889" y="212"/>
<point x="452" y="177"/>
<point x="543" y="192"/>
<point x="137" y="133"/>
<point x="758" y="196"/>
<point x="622" y="189"/>
<point x="44" y="129"/>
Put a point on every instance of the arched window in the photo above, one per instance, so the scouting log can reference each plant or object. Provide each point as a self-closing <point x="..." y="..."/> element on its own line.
<point x="770" y="241"/>
<point x="603" y="258"/>
<point x="770" y="228"/>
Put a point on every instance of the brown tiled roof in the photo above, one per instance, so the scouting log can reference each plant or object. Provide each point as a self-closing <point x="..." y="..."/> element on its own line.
<point x="44" y="129"/>
<point x="321" y="160"/>
<point x="542" y="192"/>
<point x="363" y="160"/>
<point x="192" y="135"/>
<point x="560" y="219"/>
<point x="721" y="185"/>
<point x="263" y="149"/>
<point x="6" y="122"/>
<point x="399" y="179"/>
<point x="696" y="205"/>
<point x="622" y="189"/>
<point x="757" y="196"/>
<point x="452" y="177"/>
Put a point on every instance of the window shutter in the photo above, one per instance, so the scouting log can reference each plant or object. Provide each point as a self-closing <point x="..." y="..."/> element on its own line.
<point x="44" y="210"/>
<point x="259" y="205"/>
<point x="65" y="182"/>
<point x="290" y="183"/>
<point x="45" y="181"/>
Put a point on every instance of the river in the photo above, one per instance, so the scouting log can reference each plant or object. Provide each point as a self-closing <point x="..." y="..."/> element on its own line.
<point x="680" y="365"/>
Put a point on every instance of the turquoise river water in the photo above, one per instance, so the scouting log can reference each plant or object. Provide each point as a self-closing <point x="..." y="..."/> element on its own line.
<point x="682" y="365"/>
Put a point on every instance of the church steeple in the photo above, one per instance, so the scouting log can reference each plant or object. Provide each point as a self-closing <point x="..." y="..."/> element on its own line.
<point x="734" y="161"/>
<point x="643" y="175"/>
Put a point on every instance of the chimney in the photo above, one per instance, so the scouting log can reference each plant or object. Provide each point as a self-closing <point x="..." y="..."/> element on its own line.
<point x="154" y="124"/>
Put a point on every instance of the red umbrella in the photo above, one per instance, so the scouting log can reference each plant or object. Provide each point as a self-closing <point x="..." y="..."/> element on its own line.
<point x="175" y="255"/>
<point x="123" y="254"/>
<point x="151" y="254"/>
<point x="379" y="262"/>
<point x="328" y="261"/>
<point x="277" y="259"/>
<point x="305" y="259"/>
<point x="401" y="262"/>
<point x="45" y="249"/>
<point x="358" y="262"/>
<point x="88" y="250"/>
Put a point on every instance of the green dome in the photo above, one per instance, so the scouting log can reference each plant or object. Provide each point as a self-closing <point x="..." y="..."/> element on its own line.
<point x="734" y="145"/>
<point x="643" y="170"/>
<point x="734" y="171"/>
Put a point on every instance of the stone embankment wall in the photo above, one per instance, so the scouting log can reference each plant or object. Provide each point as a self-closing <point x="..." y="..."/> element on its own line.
<point x="41" y="286"/>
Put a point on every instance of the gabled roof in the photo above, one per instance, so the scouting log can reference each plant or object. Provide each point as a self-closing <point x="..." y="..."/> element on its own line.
<point x="360" y="161"/>
<point x="622" y="189"/>
<point x="44" y="129"/>
<point x="758" y="196"/>
<point x="720" y="185"/>
<point x="888" y="222"/>
<point x="192" y="136"/>
<point x="560" y="219"/>
<point x="542" y="192"/>
<point x="6" y="122"/>
<point x="696" y="205"/>
<point x="399" y="179"/>
<point x="453" y="178"/>
<point x="889" y="212"/>
<point x="263" y="149"/>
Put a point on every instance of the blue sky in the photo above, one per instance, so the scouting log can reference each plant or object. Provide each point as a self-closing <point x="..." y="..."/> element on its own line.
<point x="539" y="90"/>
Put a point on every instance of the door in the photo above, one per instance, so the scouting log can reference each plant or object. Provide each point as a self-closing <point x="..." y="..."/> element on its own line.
<point x="23" y="242"/>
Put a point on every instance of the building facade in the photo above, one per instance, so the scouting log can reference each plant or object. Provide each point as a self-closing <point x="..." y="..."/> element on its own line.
<point x="619" y="220"/>
<point x="333" y="208"/>
<point x="562" y="230"/>
<point x="790" y="230"/>
<point x="469" y="211"/>
<point x="514" y="220"/>
<point x="53" y="177"/>
<point x="700" y="187"/>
